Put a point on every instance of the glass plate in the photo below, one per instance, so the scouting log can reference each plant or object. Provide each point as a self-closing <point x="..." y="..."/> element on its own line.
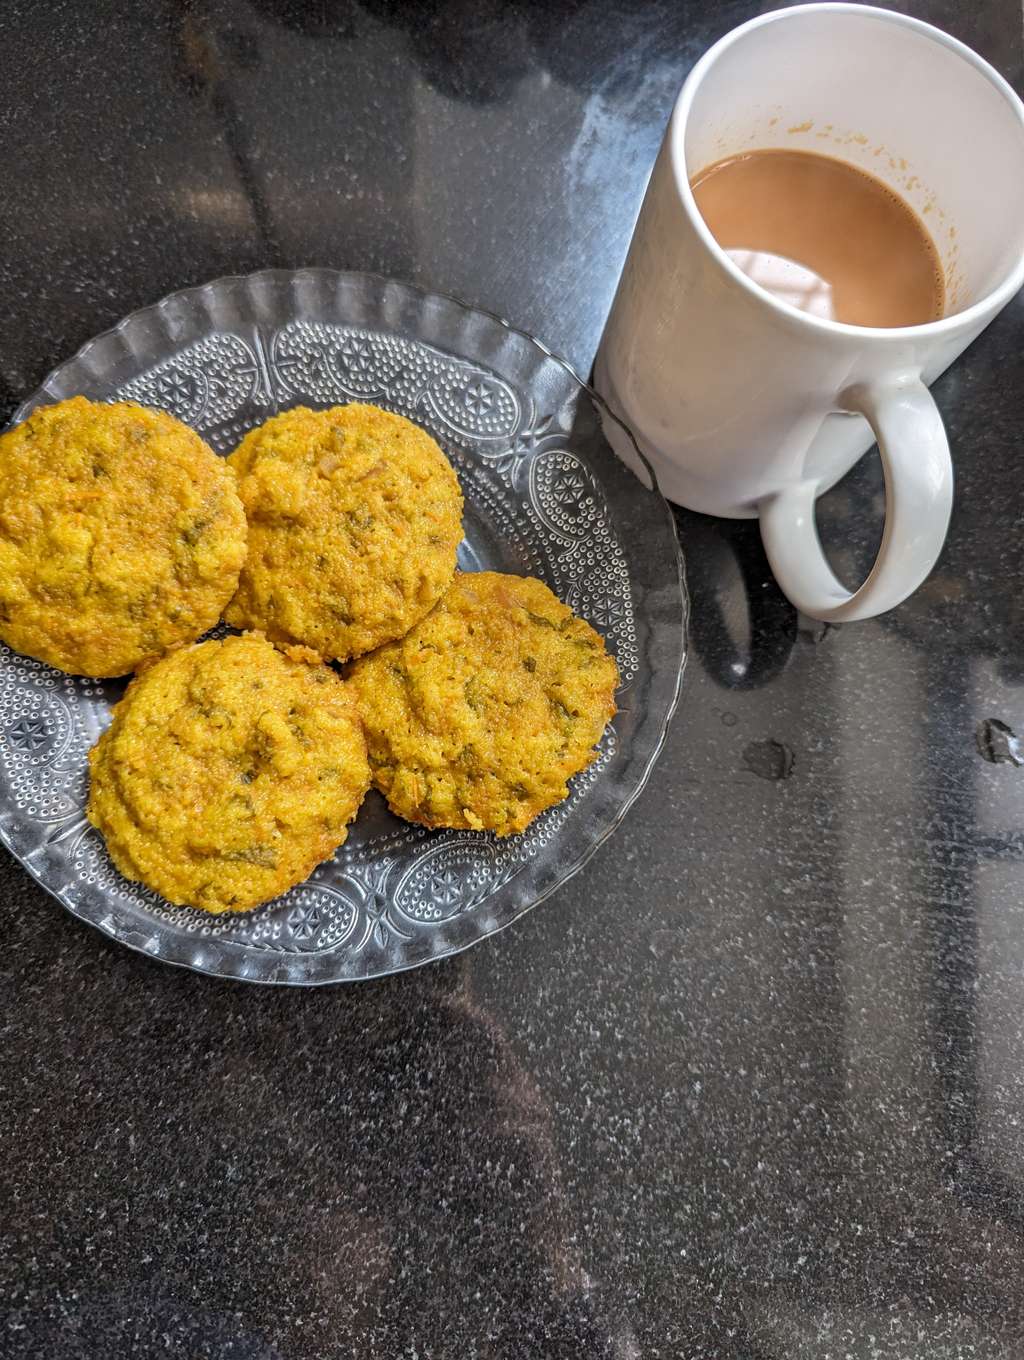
<point x="544" y="495"/>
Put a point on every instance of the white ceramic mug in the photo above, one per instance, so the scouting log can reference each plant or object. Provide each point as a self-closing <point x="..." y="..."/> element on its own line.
<point x="741" y="402"/>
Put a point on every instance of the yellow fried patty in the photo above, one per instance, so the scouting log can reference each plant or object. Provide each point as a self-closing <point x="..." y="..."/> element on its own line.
<point x="121" y="535"/>
<point x="229" y="772"/>
<point x="354" y="518"/>
<point x="479" y="716"/>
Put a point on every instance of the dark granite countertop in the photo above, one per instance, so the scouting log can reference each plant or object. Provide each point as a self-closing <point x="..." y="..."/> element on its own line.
<point x="781" y="1113"/>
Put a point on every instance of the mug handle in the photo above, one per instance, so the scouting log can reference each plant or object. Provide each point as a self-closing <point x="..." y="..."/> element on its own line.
<point x="918" y="500"/>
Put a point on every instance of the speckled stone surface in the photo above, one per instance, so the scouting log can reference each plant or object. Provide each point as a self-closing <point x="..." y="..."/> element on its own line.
<point x="752" y="1085"/>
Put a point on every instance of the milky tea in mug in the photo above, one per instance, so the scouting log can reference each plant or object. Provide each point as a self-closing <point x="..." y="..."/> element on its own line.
<point x="824" y="236"/>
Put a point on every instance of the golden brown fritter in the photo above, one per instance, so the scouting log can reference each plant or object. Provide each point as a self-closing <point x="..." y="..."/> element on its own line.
<point x="229" y="772"/>
<point x="354" y="518"/>
<point x="121" y="535"/>
<point x="479" y="716"/>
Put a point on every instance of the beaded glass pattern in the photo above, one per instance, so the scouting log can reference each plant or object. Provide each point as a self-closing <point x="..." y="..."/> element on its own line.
<point x="545" y="496"/>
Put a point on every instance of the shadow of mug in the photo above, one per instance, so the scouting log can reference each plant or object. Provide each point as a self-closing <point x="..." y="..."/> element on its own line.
<point x="742" y="627"/>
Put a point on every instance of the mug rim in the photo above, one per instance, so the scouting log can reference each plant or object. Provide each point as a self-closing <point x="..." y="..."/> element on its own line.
<point x="977" y="312"/>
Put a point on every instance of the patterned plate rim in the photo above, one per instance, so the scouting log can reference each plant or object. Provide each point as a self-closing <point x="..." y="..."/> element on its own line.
<point x="196" y="961"/>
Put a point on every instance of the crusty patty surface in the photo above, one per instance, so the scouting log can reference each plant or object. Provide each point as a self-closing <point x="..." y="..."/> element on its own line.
<point x="121" y="535"/>
<point x="230" y="770"/>
<point x="482" y="713"/>
<point x="354" y="517"/>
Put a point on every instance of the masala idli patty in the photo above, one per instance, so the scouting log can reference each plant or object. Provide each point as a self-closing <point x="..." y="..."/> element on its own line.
<point x="354" y="517"/>
<point x="121" y="536"/>
<point x="478" y="718"/>
<point x="230" y="770"/>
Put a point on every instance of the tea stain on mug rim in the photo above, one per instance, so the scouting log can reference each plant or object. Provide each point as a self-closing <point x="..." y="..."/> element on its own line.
<point x="921" y="198"/>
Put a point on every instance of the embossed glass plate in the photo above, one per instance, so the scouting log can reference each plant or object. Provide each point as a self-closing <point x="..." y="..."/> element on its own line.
<point x="545" y="496"/>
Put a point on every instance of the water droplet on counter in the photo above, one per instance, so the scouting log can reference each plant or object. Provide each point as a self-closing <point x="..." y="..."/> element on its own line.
<point x="998" y="743"/>
<point x="769" y="759"/>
